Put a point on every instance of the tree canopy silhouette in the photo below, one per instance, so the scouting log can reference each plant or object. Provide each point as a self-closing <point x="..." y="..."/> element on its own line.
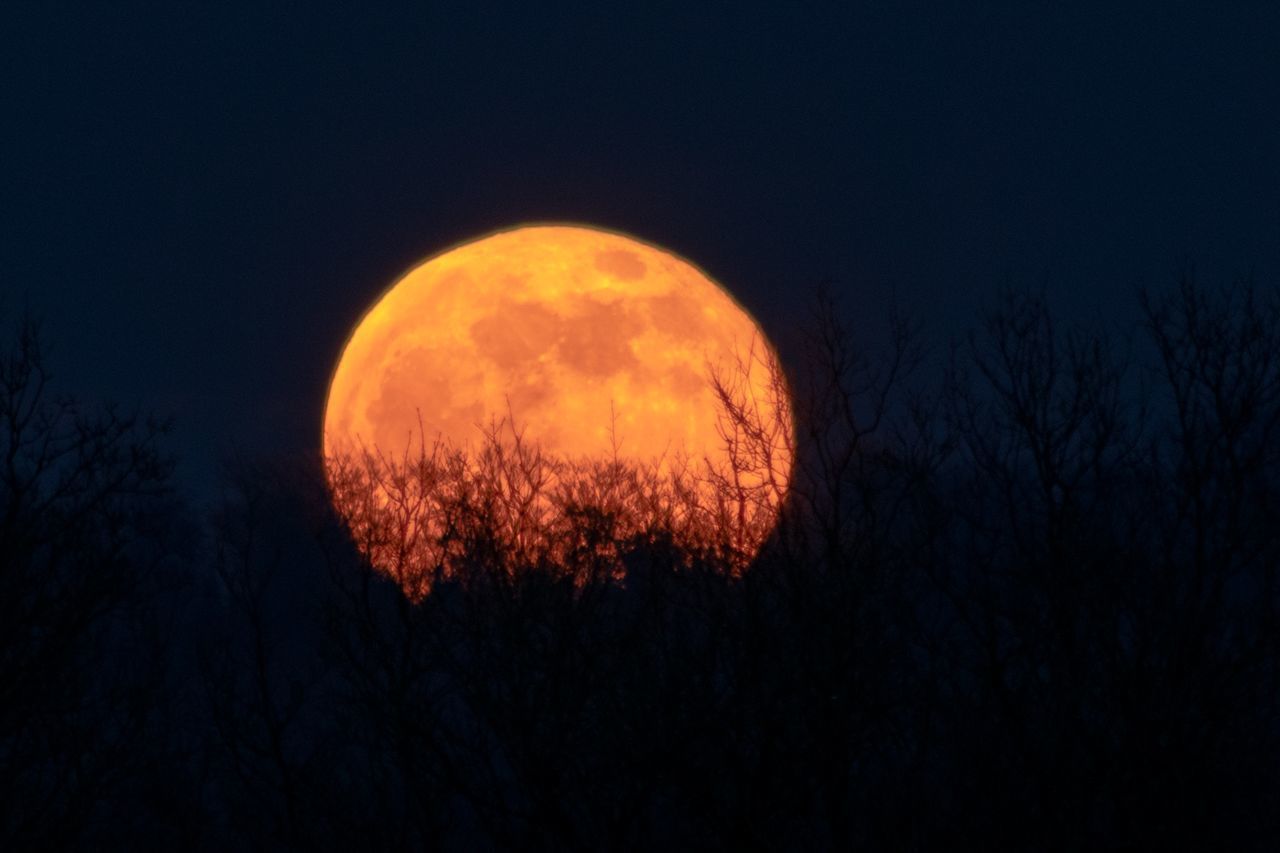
<point x="85" y="522"/>
<point x="1029" y="605"/>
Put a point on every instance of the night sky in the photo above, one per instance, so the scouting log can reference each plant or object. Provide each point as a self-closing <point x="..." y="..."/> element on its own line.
<point x="200" y="200"/>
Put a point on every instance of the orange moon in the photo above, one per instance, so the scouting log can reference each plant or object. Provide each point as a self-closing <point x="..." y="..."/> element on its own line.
<point x="589" y="340"/>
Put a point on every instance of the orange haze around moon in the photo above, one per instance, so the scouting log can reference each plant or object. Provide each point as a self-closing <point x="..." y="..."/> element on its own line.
<point x="586" y="339"/>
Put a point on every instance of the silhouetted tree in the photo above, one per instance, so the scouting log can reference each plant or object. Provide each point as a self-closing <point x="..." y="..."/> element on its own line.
<point x="1033" y="607"/>
<point x="86" y="521"/>
<point x="1034" y="610"/>
<point x="1105" y="545"/>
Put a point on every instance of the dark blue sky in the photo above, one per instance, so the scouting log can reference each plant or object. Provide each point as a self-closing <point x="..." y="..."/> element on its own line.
<point x="200" y="200"/>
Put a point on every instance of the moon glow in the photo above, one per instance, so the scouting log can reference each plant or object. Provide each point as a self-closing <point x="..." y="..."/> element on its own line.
<point x="591" y="342"/>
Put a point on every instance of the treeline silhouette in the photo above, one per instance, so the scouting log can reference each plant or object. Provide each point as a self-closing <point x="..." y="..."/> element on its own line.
<point x="1030" y="606"/>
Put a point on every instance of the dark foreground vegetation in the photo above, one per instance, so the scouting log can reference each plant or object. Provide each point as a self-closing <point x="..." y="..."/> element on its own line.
<point x="1031" y="608"/>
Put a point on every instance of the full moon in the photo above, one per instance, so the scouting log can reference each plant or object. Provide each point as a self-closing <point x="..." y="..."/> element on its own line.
<point x="595" y="344"/>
